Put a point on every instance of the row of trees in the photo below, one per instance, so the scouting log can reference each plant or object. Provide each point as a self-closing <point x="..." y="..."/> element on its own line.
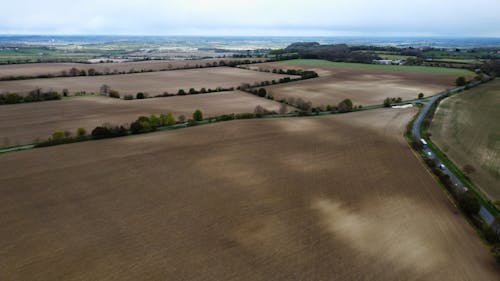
<point x="388" y="102"/>
<point x="468" y="203"/>
<point x="250" y="88"/>
<point x="143" y="124"/>
<point x="32" y="96"/>
<point x="466" y="199"/>
<point x="73" y="72"/>
<point x="306" y="107"/>
<point x="335" y="52"/>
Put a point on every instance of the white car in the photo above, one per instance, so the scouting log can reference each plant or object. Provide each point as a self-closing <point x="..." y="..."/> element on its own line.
<point x="429" y="153"/>
<point x="442" y="167"/>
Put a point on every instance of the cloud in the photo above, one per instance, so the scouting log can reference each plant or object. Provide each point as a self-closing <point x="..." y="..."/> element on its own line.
<point x="257" y="17"/>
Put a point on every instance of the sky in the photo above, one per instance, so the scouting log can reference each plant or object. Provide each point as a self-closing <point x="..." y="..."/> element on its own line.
<point x="453" y="18"/>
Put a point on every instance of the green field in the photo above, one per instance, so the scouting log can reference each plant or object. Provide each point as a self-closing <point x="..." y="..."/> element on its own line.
<point x="427" y="69"/>
<point x="460" y="55"/>
<point x="466" y="61"/>
<point x="467" y="128"/>
<point x="387" y="55"/>
<point x="51" y="54"/>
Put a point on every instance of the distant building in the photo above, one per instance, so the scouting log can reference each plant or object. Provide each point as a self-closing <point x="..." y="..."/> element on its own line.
<point x="389" y="62"/>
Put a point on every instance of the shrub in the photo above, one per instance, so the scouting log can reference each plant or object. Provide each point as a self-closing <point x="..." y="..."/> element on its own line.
<point x="495" y="250"/>
<point x="420" y="96"/>
<point x="301" y="104"/>
<point x="490" y="235"/>
<point x="387" y="102"/>
<point x="140" y="96"/>
<point x="81" y="132"/>
<point x="468" y="203"/>
<point x="128" y="97"/>
<point x="262" y="92"/>
<point x="12" y="98"/>
<point x="181" y="92"/>
<point x="461" y="81"/>
<point x="154" y="121"/>
<point x="114" y="94"/>
<point x="167" y="119"/>
<point x="345" y="106"/>
<point x="141" y="125"/>
<point x="58" y="135"/>
<point x="225" y="117"/>
<point x="198" y="115"/>
<point x="107" y="131"/>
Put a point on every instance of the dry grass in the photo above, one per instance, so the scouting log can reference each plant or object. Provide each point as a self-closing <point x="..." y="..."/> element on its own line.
<point x="327" y="198"/>
<point x="153" y="83"/>
<point x="467" y="128"/>
<point x="23" y="123"/>
<point x="362" y="86"/>
<point x="34" y="69"/>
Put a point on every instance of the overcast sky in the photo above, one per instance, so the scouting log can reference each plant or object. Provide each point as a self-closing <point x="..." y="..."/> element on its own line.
<point x="479" y="18"/>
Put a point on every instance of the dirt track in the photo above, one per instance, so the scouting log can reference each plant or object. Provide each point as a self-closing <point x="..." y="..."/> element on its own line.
<point x="23" y="123"/>
<point x="362" y="86"/>
<point x="328" y="198"/>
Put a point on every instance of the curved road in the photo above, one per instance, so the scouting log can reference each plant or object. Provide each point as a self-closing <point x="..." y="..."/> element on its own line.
<point x="483" y="212"/>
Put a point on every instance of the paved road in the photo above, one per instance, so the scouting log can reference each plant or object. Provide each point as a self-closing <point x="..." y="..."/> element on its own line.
<point x="24" y="147"/>
<point x="483" y="212"/>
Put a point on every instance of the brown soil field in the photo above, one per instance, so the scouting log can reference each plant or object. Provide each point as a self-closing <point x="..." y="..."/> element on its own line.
<point x="34" y="69"/>
<point x="153" y="83"/>
<point x="467" y="128"/>
<point x="339" y="197"/>
<point x="362" y="86"/>
<point x="23" y="123"/>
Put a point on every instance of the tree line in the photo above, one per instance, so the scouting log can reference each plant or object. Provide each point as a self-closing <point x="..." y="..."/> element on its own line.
<point x="35" y="95"/>
<point x="74" y="72"/>
<point x="467" y="201"/>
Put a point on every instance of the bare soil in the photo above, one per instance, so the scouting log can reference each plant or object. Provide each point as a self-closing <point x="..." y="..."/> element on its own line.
<point x="154" y="83"/>
<point x="327" y="198"/>
<point x="34" y="69"/>
<point x="362" y="86"/>
<point x="24" y="123"/>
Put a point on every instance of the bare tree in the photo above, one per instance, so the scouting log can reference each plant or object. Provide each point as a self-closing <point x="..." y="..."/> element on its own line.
<point x="283" y="109"/>
<point x="104" y="89"/>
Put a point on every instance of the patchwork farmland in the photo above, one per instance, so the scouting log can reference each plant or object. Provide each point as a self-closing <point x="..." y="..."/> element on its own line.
<point x="36" y="69"/>
<point x="154" y="83"/>
<point x="363" y="84"/>
<point x="88" y="112"/>
<point x="336" y="197"/>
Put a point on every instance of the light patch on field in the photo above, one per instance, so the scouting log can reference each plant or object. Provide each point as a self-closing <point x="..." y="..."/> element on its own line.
<point x="269" y="236"/>
<point x="301" y="125"/>
<point x="372" y="234"/>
